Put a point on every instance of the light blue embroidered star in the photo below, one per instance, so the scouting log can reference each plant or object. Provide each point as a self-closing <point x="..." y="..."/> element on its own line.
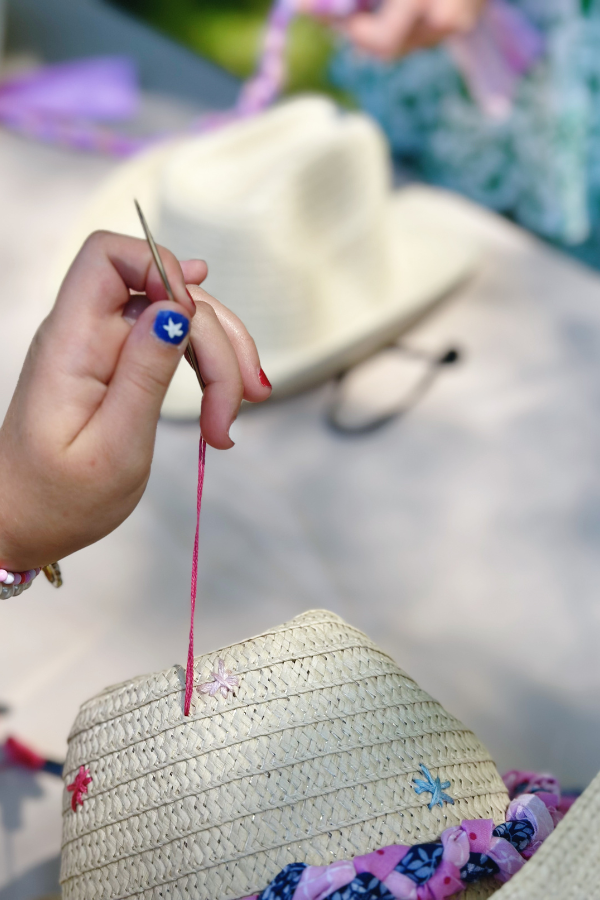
<point x="173" y="329"/>
<point x="435" y="788"/>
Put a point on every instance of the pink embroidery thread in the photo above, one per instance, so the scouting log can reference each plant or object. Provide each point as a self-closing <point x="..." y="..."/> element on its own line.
<point x="223" y="681"/>
<point x="189" y="674"/>
<point x="79" y="787"/>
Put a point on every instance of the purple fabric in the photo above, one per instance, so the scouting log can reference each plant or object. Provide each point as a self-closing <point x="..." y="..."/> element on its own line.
<point x="530" y="807"/>
<point x="318" y="882"/>
<point x="566" y="802"/>
<point x="492" y="58"/>
<point x="520" y="43"/>
<point x="506" y="857"/>
<point x="456" y="846"/>
<point x="401" y="887"/>
<point x="62" y="104"/>
<point x="101" y="89"/>
<point x="339" y="8"/>
<point x="444" y="883"/>
<point x="479" y="834"/>
<point x="266" y="84"/>
<point x="544" y="786"/>
<point x="381" y="862"/>
<point x="518" y="782"/>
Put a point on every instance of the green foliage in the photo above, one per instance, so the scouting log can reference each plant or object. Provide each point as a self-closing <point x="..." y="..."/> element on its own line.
<point x="229" y="32"/>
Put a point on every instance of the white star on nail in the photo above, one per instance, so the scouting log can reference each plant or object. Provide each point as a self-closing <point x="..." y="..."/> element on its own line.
<point x="173" y="329"/>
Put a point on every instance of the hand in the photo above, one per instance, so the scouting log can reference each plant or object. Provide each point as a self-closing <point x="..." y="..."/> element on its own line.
<point x="77" y="442"/>
<point x="398" y="27"/>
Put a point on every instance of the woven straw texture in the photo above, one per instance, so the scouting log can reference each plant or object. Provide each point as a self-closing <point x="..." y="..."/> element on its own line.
<point x="567" y="866"/>
<point x="311" y="759"/>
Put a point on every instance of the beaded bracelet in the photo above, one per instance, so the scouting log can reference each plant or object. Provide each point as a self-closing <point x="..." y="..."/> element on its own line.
<point x="14" y="583"/>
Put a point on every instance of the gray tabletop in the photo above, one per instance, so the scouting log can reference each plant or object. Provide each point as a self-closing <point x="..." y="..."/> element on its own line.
<point x="465" y="538"/>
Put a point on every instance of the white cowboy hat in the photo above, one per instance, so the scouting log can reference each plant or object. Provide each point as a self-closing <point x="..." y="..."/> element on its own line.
<point x="304" y="238"/>
<point x="310" y="764"/>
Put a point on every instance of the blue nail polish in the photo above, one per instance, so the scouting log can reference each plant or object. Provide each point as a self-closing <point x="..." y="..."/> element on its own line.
<point x="171" y="327"/>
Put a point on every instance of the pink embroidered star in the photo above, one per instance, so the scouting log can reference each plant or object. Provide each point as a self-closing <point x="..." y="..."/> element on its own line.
<point x="79" y="787"/>
<point x="222" y="681"/>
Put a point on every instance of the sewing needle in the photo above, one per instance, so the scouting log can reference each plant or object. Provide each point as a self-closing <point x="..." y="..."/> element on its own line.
<point x="190" y="354"/>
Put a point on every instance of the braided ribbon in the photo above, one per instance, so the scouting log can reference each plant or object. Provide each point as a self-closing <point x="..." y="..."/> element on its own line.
<point x="440" y="869"/>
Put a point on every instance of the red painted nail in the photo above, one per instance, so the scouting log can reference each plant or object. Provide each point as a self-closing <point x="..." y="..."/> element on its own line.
<point x="263" y="379"/>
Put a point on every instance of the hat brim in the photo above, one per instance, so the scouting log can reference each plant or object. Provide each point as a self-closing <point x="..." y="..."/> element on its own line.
<point x="567" y="865"/>
<point x="429" y="257"/>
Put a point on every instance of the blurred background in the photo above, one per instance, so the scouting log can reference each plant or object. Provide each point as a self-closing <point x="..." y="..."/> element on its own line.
<point x="230" y="34"/>
<point x="452" y="511"/>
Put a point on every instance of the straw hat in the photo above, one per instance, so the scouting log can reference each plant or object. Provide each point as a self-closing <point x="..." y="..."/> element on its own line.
<point x="306" y="750"/>
<point x="305" y="241"/>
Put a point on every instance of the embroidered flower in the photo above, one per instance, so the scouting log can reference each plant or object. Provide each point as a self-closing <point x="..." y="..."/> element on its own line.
<point x="79" y="787"/>
<point x="433" y="787"/>
<point x="222" y="681"/>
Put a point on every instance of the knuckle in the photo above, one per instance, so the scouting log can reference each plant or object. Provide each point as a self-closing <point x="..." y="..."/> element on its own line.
<point x="205" y="309"/>
<point x="149" y="379"/>
<point x="95" y="240"/>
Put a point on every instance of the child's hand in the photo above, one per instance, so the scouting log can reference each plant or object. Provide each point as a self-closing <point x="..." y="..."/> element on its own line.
<point x="398" y="27"/>
<point x="77" y="442"/>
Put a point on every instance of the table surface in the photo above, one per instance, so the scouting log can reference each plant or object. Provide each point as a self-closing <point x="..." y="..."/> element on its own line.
<point x="464" y="538"/>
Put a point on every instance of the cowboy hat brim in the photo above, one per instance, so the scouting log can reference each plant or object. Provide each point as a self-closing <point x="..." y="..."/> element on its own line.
<point x="429" y="260"/>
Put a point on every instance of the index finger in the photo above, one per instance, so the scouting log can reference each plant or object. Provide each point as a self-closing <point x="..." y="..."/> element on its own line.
<point x="87" y="317"/>
<point x="109" y="265"/>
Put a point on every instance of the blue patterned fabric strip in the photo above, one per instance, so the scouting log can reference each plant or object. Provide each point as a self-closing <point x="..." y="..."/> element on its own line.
<point x="519" y="834"/>
<point x="283" y="887"/>
<point x="420" y="862"/>
<point x="478" y="867"/>
<point x="364" y="887"/>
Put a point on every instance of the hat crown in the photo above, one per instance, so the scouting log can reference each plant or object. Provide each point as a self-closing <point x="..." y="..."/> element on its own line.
<point x="312" y="756"/>
<point x="291" y="210"/>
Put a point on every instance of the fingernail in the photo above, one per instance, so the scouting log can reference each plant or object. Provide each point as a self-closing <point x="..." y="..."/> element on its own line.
<point x="134" y="308"/>
<point x="186" y="261"/>
<point x="263" y="379"/>
<point x="234" y="431"/>
<point x="192" y="301"/>
<point x="171" y="327"/>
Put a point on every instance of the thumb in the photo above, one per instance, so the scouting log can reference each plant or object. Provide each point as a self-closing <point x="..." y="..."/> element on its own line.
<point x="130" y="410"/>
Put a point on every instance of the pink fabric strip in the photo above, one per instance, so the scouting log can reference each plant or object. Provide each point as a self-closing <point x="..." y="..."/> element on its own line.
<point x="189" y="673"/>
<point x="458" y="841"/>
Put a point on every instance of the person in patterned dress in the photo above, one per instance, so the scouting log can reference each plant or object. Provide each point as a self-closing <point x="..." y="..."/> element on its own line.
<point x="540" y="163"/>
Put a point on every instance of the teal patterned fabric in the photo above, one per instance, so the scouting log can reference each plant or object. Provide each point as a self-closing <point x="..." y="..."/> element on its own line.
<point x="541" y="165"/>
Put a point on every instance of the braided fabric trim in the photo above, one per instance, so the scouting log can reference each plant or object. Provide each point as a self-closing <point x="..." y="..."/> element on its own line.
<point x="465" y="854"/>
